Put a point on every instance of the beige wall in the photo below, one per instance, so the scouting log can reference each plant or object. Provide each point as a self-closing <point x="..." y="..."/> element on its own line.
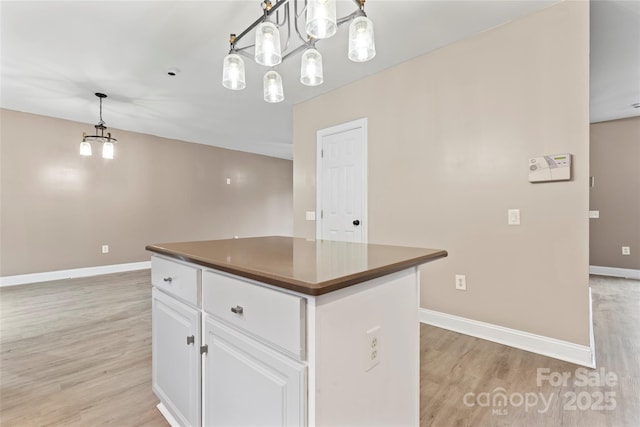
<point x="450" y="134"/>
<point x="615" y="165"/>
<point x="58" y="208"/>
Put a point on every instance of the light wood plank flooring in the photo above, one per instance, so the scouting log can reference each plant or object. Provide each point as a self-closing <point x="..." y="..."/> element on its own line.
<point x="78" y="353"/>
<point x="453" y="365"/>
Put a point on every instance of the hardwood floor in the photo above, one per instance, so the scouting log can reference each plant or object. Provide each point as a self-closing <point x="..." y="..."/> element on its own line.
<point x="78" y="353"/>
<point x="453" y="365"/>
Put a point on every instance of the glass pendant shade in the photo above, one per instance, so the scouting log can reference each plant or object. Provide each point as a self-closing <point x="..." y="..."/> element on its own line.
<point x="85" y="148"/>
<point x="311" y="68"/>
<point x="273" y="91"/>
<point x="362" y="46"/>
<point x="321" y="18"/>
<point x="233" y="72"/>
<point x="268" y="50"/>
<point x="107" y="150"/>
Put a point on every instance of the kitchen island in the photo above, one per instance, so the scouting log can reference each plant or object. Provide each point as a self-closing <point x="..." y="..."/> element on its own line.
<point x="286" y="331"/>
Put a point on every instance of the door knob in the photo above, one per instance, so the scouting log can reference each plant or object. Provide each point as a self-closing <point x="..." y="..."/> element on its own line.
<point x="356" y="222"/>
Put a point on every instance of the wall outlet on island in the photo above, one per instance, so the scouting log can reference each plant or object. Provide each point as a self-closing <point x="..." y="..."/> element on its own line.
<point x="461" y="282"/>
<point x="105" y="249"/>
<point x="372" y="348"/>
<point x="626" y="250"/>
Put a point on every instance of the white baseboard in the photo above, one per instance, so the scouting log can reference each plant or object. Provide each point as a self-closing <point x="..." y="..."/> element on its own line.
<point x="167" y="415"/>
<point x="592" y="338"/>
<point x="22" y="279"/>
<point x="627" y="273"/>
<point x="558" y="349"/>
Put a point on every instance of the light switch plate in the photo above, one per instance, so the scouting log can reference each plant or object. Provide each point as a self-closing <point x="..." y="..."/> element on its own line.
<point x="311" y="216"/>
<point x="514" y="216"/>
<point x="594" y="214"/>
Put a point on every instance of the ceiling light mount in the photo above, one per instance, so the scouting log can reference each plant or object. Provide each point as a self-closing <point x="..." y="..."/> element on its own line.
<point x="106" y="140"/>
<point x="306" y="21"/>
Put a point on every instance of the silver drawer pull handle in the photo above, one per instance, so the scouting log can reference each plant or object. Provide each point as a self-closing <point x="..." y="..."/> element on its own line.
<point x="237" y="309"/>
<point x="168" y="279"/>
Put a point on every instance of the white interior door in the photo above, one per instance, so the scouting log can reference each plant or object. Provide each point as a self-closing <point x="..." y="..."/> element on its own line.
<point x="342" y="182"/>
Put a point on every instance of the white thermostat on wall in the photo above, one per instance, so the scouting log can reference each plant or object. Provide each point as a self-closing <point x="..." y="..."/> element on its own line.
<point x="550" y="168"/>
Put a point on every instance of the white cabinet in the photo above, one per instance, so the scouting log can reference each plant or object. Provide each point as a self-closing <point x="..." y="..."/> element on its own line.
<point x="176" y="357"/>
<point x="224" y="367"/>
<point x="273" y="317"/>
<point x="229" y="351"/>
<point x="177" y="279"/>
<point x="248" y="384"/>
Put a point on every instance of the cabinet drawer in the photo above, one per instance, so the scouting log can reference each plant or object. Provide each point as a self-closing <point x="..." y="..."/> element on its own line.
<point x="269" y="315"/>
<point x="176" y="279"/>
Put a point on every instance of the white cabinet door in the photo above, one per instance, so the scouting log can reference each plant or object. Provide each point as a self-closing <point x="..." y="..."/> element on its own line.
<point x="176" y="357"/>
<point x="246" y="383"/>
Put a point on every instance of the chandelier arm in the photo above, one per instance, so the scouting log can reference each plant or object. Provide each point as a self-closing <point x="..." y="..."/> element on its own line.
<point x="287" y="20"/>
<point x="284" y="18"/>
<point x="307" y="42"/>
<point x="302" y="11"/>
<point x="258" y="21"/>
<point x="360" y="4"/>
<point x="296" y="50"/>
<point x="92" y="138"/>
<point x="350" y="17"/>
<point x="240" y="49"/>
<point x="244" y="53"/>
<point x="295" y="24"/>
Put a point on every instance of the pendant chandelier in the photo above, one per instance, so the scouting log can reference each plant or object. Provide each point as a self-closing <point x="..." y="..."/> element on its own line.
<point x="106" y="140"/>
<point x="309" y="21"/>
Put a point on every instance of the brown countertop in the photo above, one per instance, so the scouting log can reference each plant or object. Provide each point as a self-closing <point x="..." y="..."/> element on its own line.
<point x="312" y="267"/>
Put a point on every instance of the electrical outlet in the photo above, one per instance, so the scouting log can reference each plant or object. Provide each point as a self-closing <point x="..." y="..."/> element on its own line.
<point x="626" y="250"/>
<point x="371" y="348"/>
<point x="105" y="249"/>
<point x="594" y="214"/>
<point x="461" y="282"/>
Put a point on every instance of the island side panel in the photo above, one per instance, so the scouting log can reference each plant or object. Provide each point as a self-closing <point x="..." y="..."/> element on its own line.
<point x="344" y="389"/>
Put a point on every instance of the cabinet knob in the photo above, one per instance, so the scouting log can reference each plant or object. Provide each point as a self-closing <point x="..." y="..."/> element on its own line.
<point x="168" y="279"/>
<point x="191" y="340"/>
<point x="237" y="309"/>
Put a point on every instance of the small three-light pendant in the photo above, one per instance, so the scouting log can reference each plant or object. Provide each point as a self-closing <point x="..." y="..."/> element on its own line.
<point x="107" y="140"/>
<point x="321" y="23"/>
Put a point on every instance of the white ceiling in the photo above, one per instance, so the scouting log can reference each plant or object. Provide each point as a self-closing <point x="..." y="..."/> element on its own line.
<point x="615" y="59"/>
<point x="56" y="54"/>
